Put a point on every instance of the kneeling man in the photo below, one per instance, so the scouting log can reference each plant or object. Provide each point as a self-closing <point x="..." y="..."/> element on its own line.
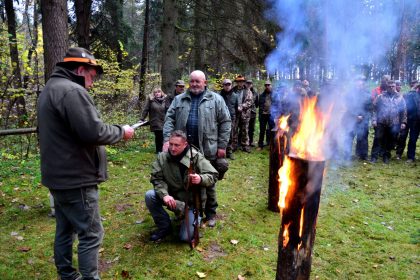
<point x="169" y="178"/>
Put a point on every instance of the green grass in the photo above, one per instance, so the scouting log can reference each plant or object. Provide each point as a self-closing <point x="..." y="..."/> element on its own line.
<point x="368" y="226"/>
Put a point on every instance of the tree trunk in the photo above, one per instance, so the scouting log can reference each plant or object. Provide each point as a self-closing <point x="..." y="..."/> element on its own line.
<point x="143" y="63"/>
<point x="33" y="37"/>
<point x="199" y="35"/>
<point x="170" y="69"/>
<point x="55" y="33"/>
<point x="83" y="11"/>
<point x="400" y="58"/>
<point x="14" y="56"/>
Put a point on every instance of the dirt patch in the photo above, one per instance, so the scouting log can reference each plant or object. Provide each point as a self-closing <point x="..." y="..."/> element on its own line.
<point x="213" y="251"/>
<point x="123" y="207"/>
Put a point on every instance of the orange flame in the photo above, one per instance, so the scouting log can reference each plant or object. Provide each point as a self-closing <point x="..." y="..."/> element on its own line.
<point x="301" y="228"/>
<point x="286" y="235"/>
<point x="307" y="141"/>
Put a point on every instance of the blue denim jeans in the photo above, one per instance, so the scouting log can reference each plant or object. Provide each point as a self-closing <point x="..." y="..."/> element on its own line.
<point x="77" y="212"/>
<point x="162" y="219"/>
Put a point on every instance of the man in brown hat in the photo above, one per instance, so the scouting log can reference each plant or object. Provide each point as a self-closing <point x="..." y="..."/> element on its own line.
<point x="73" y="160"/>
<point x="243" y="115"/>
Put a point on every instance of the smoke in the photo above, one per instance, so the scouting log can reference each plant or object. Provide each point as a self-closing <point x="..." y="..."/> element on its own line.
<point x="340" y="35"/>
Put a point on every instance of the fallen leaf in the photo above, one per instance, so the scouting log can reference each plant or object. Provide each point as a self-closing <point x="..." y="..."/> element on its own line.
<point x="234" y="242"/>
<point x="125" y="274"/>
<point x="392" y="258"/>
<point x="375" y="266"/>
<point x="24" y="249"/>
<point x="200" y="274"/>
<point x="365" y="223"/>
<point x="128" y="246"/>
<point x="199" y="249"/>
<point x="139" y="222"/>
<point x="101" y="250"/>
<point x="390" y="228"/>
<point x="20" y="238"/>
<point x="14" y="233"/>
<point x="355" y="200"/>
<point x="240" y="277"/>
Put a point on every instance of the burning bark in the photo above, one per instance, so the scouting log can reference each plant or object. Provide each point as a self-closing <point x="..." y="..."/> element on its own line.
<point x="276" y="161"/>
<point x="299" y="216"/>
<point x="300" y="181"/>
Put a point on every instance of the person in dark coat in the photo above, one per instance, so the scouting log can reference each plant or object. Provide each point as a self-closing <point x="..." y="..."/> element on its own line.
<point x="73" y="160"/>
<point x="156" y="106"/>
<point x="389" y="116"/>
<point x="264" y="115"/>
<point x="412" y="103"/>
<point x="231" y="100"/>
<point x="356" y="119"/>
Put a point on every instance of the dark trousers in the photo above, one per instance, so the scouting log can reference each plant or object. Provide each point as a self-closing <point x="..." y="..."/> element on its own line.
<point x="162" y="219"/>
<point x="402" y="140"/>
<point x="77" y="211"/>
<point x="414" y="128"/>
<point x="251" y="128"/>
<point x="265" y="129"/>
<point x="376" y="149"/>
<point x="386" y="136"/>
<point x="211" y="202"/>
<point x="361" y="132"/>
<point x="158" y="140"/>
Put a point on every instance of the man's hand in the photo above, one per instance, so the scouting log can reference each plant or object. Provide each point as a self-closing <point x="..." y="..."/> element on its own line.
<point x="165" y="146"/>
<point x="403" y="126"/>
<point x="221" y="153"/>
<point x="195" y="179"/>
<point x="169" y="201"/>
<point x="128" y="132"/>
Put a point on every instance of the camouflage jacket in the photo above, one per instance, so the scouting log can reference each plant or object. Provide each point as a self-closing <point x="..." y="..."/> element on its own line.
<point x="389" y="109"/>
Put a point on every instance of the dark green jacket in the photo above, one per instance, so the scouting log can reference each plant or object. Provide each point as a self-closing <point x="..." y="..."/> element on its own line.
<point x="71" y="134"/>
<point x="167" y="179"/>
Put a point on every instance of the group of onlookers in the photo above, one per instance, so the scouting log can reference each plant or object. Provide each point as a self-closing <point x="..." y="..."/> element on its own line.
<point x="394" y="116"/>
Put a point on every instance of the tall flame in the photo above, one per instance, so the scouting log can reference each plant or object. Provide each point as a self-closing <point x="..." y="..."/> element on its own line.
<point x="307" y="141"/>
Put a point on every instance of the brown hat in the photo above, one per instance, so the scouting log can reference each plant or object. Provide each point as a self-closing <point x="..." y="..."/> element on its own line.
<point x="180" y="83"/>
<point x="240" y="78"/>
<point x="78" y="55"/>
<point x="267" y="82"/>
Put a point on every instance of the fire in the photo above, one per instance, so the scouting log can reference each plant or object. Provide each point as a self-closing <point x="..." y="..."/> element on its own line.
<point x="285" y="181"/>
<point x="307" y="141"/>
<point x="301" y="227"/>
<point x="286" y="235"/>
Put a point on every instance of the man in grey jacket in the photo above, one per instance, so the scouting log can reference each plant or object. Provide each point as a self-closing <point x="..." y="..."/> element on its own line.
<point x="73" y="160"/>
<point x="205" y="118"/>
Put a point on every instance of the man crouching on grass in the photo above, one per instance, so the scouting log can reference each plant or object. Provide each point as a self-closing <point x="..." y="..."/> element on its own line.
<point x="169" y="178"/>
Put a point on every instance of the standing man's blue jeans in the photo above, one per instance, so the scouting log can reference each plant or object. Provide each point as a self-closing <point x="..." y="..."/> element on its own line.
<point x="162" y="219"/>
<point x="77" y="212"/>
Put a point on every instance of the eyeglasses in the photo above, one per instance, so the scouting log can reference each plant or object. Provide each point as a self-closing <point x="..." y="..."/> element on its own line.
<point x="180" y="86"/>
<point x="267" y="85"/>
<point x="227" y="84"/>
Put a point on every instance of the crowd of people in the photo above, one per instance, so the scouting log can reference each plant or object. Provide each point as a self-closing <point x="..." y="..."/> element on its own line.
<point x="196" y="131"/>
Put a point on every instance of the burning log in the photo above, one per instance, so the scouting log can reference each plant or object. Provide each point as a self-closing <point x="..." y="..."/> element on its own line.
<point x="300" y="181"/>
<point x="277" y="150"/>
<point x="299" y="216"/>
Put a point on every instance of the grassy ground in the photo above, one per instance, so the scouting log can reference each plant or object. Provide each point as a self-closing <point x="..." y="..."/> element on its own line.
<point x="368" y="226"/>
